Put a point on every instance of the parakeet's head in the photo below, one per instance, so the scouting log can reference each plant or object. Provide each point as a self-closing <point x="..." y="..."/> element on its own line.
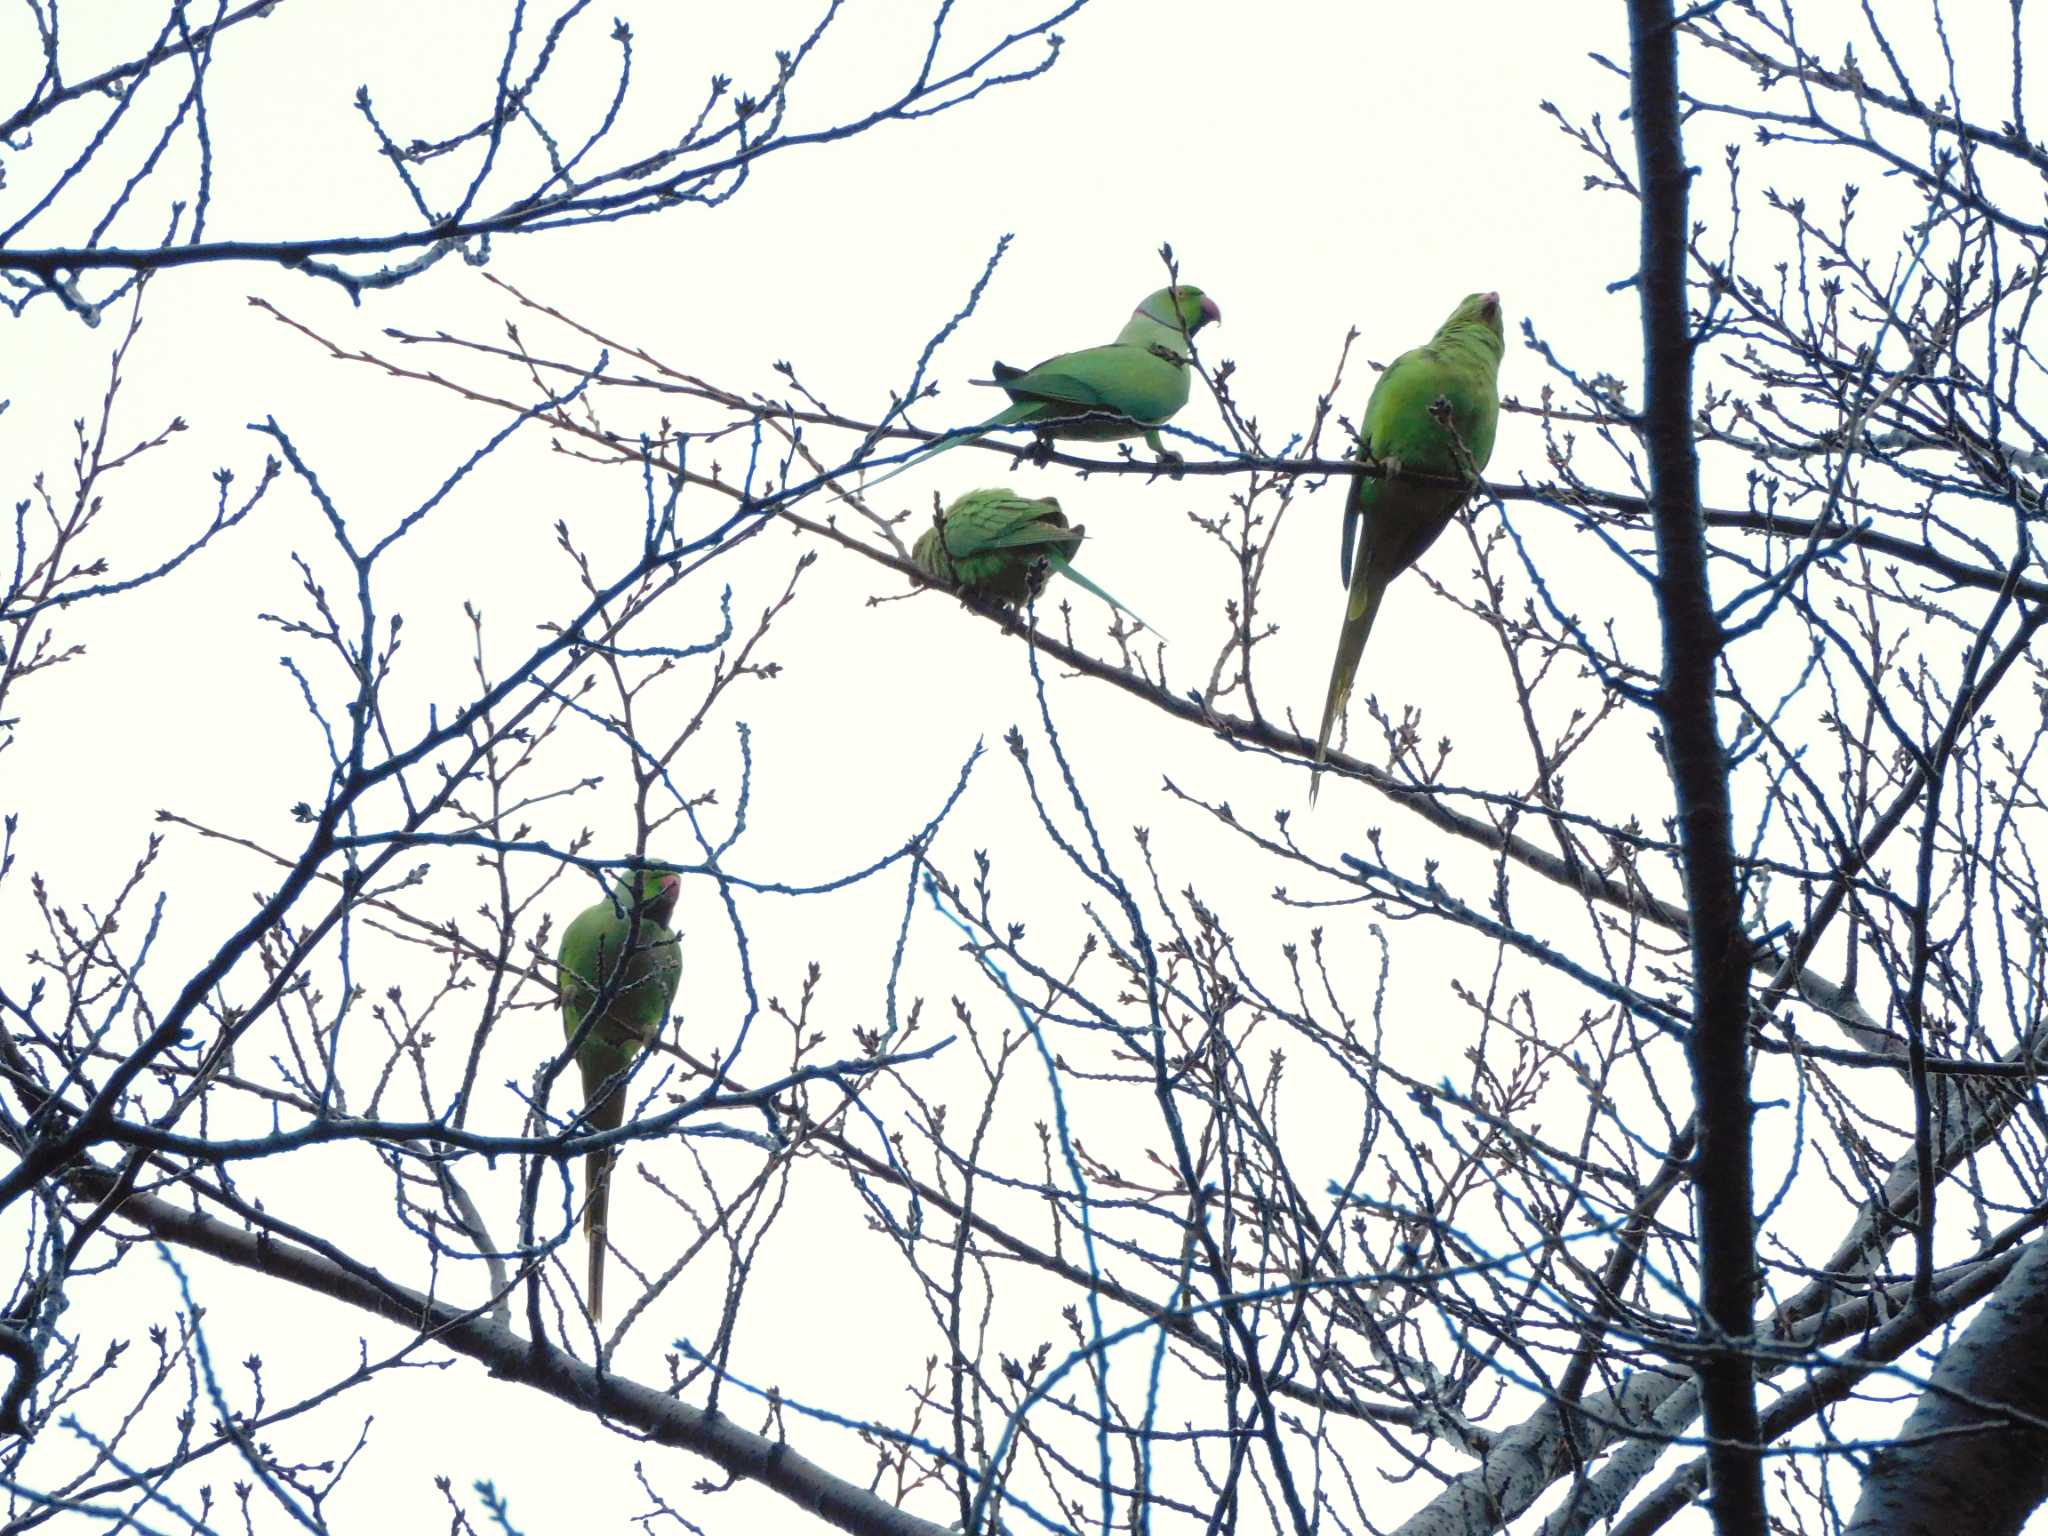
<point x="653" y="891"/>
<point x="1184" y="308"/>
<point x="1482" y="309"/>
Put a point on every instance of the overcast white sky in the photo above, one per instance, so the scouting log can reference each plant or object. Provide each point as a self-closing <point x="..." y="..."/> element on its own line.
<point x="1315" y="166"/>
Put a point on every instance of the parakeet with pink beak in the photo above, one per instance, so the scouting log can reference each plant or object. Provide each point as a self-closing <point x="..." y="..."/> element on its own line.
<point x="1130" y="387"/>
<point x="1005" y="547"/>
<point x="1433" y="412"/>
<point x="618" y="965"/>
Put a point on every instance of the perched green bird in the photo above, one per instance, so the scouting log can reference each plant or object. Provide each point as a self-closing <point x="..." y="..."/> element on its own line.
<point x="621" y="958"/>
<point x="1406" y="429"/>
<point x="1005" y="547"/>
<point x="1128" y="388"/>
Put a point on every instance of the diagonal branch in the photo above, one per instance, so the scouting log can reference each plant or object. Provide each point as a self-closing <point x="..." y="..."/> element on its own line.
<point x="508" y="1356"/>
<point x="126" y="76"/>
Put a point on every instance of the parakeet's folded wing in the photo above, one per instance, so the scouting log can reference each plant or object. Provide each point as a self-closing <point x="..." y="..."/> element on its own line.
<point x="1130" y="380"/>
<point x="1027" y="533"/>
<point x="1362" y="485"/>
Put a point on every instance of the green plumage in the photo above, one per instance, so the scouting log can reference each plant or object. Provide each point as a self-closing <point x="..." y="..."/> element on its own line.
<point x="1405" y="430"/>
<point x="1005" y="547"/>
<point x="620" y="957"/>
<point x="1130" y="387"/>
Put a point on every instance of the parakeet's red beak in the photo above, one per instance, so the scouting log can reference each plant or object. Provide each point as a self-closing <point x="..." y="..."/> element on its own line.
<point x="662" y="907"/>
<point x="1210" y="310"/>
<point x="1493" y="301"/>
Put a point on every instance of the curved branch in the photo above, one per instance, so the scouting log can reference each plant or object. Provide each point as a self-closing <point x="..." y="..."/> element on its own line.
<point x="28" y="1369"/>
<point x="739" y="1452"/>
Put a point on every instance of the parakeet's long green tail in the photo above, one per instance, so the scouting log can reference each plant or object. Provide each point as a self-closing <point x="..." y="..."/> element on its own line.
<point x="1363" y="608"/>
<point x="609" y="1114"/>
<point x="1086" y="585"/>
<point x="1007" y="416"/>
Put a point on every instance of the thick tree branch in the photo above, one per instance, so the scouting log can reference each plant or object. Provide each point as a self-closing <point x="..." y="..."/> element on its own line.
<point x="1824" y="1388"/>
<point x="1974" y="1453"/>
<point x="1692" y="639"/>
<point x="508" y="1356"/>
<point x="1526" y="1460"/>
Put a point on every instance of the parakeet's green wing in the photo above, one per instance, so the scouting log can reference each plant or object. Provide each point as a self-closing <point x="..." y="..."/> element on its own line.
<point x="1029" y="534"/>
<point x="1133" y="381"/>
<point x="1363" y="487"/>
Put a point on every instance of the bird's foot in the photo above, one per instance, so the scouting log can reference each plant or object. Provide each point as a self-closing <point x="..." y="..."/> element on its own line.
<point x="1169" y="460"/>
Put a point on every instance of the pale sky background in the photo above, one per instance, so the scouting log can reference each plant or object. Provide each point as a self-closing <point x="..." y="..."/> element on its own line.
<point x="1315" y="166"/>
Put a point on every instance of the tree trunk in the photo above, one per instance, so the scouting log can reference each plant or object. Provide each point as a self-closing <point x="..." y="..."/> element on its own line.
<point x="1962" y="1464"/>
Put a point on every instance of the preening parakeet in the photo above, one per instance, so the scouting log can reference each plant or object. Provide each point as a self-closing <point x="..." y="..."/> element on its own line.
<point x="1003" y="546"/>
<point x="1131" y="386"/>
<point x="1406" y="430"/>
<point x="621" y="958"/>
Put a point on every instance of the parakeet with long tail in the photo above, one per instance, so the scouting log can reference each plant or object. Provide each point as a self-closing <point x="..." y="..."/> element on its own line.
<point x="1433" y="412"/>
<point x="1005" y="547"/>
<point x="1130" y="387"/>
<point x="620" y="958"/>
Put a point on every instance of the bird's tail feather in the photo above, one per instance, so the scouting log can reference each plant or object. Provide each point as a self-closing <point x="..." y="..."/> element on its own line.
<point x="1359" y="613"/>
<point x="609" y="1113"/>
<point x="940" y="445"/>
<point x="598" y="1166"/>
<point x="932" y="452"/>
<point x="1086" y="585"/>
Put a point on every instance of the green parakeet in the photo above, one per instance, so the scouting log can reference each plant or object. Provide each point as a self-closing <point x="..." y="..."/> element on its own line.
<point x="1130" y="387"/>
<point x="620" y="957"/>
<point x="1406" y="430"/>
<point x="999" y="545"/>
